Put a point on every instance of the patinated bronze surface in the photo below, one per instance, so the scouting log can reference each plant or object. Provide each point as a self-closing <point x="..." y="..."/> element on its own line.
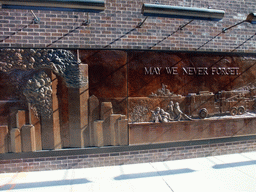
<point x="84" y="98"/>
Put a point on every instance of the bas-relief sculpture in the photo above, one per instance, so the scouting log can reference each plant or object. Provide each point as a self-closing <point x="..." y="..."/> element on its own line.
<point x="37" y="88"/>
<point x="139" y="113"/>
<point x="38" y="92"/>
<point x="204" y="86"/>
<point x="199" y="116"/>
<point x="174" y="114"/>
<point x="159" y="105"/>
<point x="163" y="92"/>
<point x="61" y="62"/>
<point x="41" y="76"/>
<point x="202" y="105"/>
<point x="31" y="74"/>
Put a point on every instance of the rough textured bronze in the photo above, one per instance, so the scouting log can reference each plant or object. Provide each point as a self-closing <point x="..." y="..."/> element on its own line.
<point x="38" y="92"/>
<point x="60" y="61"/>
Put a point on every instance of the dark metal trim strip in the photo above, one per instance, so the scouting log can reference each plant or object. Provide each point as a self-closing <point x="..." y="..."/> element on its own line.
<point x="117" y="149"/>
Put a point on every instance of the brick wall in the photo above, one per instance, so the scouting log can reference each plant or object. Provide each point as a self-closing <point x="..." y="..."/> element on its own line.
<point x="119" y="18"/>
<point x="64" y="30"/>
<point x="124" y="157"/>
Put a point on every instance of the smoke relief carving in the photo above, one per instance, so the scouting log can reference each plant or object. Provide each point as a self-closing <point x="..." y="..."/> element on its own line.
<point x="38" y="92"/>
<point x="163" y="92"/>
<point x="61" y="62"/>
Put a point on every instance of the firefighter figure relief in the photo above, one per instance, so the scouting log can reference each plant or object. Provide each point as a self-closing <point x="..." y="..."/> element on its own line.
<point x="165" y="117"/>
<point x="175" y="114"/>
<point x="170" y="109"/>
<point x="160" y="116"/>
<point x="156" y="117"/>
<point x="179" y="113"/>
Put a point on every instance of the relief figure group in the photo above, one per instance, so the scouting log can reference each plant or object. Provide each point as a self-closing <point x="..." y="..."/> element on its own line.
<point x="173" y="113"/>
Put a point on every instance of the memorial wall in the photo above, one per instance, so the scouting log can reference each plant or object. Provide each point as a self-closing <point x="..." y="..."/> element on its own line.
<point x="57" y="98"/>
<point x="99" y="83"/>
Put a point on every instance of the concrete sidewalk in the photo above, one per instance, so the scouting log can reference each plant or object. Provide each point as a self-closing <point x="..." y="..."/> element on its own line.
<point x="226" y="173"/>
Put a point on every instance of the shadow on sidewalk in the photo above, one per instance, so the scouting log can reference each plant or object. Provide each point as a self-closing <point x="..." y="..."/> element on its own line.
<point x="44" y="184"/>
<point x="236" y="164"/>
<point x="153" y="174"/>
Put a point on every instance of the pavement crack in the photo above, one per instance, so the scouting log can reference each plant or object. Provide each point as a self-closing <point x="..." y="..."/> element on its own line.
<point x="162" y="177"/>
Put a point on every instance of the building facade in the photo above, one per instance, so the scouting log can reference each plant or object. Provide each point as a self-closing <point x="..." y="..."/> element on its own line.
<point x="117" y="87"/>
